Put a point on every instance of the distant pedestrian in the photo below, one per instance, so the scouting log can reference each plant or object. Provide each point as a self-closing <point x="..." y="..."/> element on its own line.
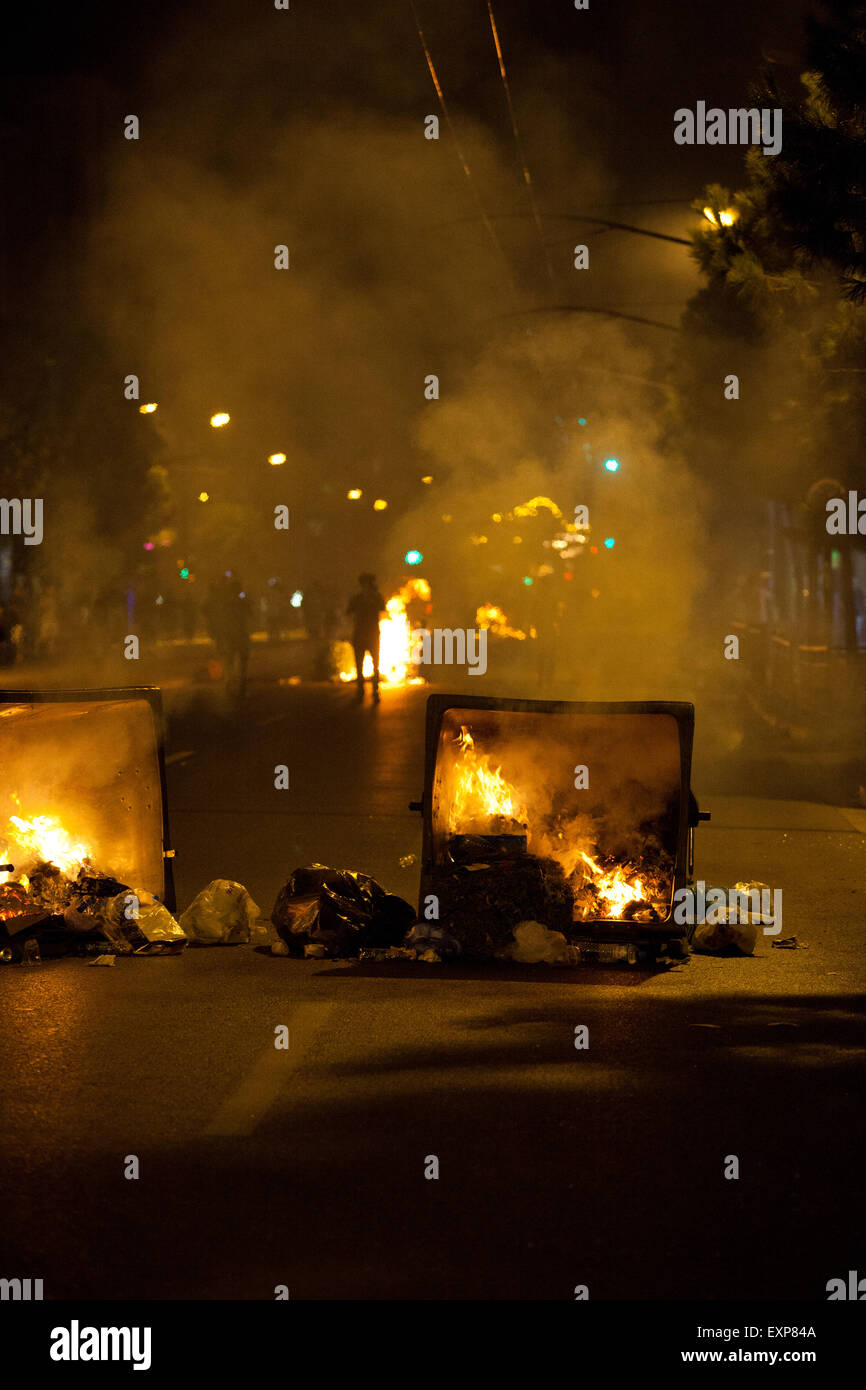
<point x="7" y="640"/>
<point x="365" y="608"/>
<point x="227" y="612"/>
<point x="49" y="624"/>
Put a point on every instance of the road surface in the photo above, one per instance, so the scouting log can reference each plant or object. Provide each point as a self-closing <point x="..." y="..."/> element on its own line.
<point x="558" y="1167"/>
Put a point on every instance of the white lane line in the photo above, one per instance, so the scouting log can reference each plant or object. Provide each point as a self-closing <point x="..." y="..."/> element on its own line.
<point x="241" y="1112"/>
<point x="178" y="757"/>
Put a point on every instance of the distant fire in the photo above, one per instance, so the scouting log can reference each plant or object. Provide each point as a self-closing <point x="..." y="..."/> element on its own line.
<point x="395" y="644"/>
<point x="491" y="617"/>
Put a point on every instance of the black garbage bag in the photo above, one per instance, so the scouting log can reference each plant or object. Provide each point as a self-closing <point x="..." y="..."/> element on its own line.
<point x="339" y="908"/>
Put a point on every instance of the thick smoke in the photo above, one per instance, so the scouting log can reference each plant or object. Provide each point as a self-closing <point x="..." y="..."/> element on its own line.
<point x="250" y="141"/>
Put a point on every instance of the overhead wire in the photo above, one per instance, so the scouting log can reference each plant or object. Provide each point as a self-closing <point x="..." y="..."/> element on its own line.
<point x="488" y="225"/>
<point x="518" y="143"/>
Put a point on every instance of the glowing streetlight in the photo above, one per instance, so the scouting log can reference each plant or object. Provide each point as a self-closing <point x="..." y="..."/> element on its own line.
<point x="276" y="459"/>
<point x="413" y="557"/>
<point x="379" y="505"/>
<point x="611" y="465"/>
<point x="203" y="496"/>
<point x="147" y="409"/>
<point x="428" y="479"/>
<point x="725" y="217"/>
<point x="221" y="418"/>
<point x="354" y="493"/>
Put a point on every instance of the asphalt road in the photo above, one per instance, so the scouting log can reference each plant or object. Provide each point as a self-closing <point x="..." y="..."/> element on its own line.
<point x="557" y="1167"/>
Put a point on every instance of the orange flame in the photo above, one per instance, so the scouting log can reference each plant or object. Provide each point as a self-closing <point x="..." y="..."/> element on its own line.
<point x="614" y="888"/>
<point x="489" y="615"/>
<point x="45" y="837"/>
<point x="481" y="792"/>
<point x="481" y="801"/>
<point x="395" y="641"/>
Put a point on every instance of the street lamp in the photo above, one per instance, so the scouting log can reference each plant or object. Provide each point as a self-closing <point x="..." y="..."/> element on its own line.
<point x="276" y="459"/>
<point x="724" y="217"/>
<point x="147" y="409"/>
<point x="221" y="418"/>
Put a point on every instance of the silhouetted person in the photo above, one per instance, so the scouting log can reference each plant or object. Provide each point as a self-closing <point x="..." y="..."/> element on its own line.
<point x="7" y="642"/>
<point x="364" y="609"/>
<point x="228" y="620"/>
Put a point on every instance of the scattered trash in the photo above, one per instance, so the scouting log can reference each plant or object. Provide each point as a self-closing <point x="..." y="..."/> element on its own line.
<point x="220" y="915"/>
<point x="427" y="936"/>
<point x="431" y="957"/>
<point x="387" y="953"/>
<point x="342" y="910"/>
<point x="535" y="944"/>
<point x="138" y="923"/>
<point x="102" y="960"/>
<point x="22" y="952"/>
<point x="725" y="938"/>
<point x="761" y="918"/>
<point x="608" y="952"/>
<point x="789" y="943"/>
<point x="487" y="901"/>
<point x="91" y="894"/>
<point x="313" y="950"/>
<point x="31" y="954"/>
<point x="279" y="948"/>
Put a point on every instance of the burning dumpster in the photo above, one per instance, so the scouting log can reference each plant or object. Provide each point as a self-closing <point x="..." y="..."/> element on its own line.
<point x="82" y="803"/>
<point x="575" y="816"/>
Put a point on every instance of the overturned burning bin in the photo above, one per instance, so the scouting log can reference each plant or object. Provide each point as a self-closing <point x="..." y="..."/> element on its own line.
<point x="578" y="816"/>
<point x="83" y="809"/>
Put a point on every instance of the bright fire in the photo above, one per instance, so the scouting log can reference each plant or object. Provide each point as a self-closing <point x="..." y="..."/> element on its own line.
<point x="483" y="802"/>
<point x="481" y="792"/>
<point x="45" y="838"/>
<point x="614" y="889"/>
<point x="395" y="640"/>
<point x="493" y="618"/>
